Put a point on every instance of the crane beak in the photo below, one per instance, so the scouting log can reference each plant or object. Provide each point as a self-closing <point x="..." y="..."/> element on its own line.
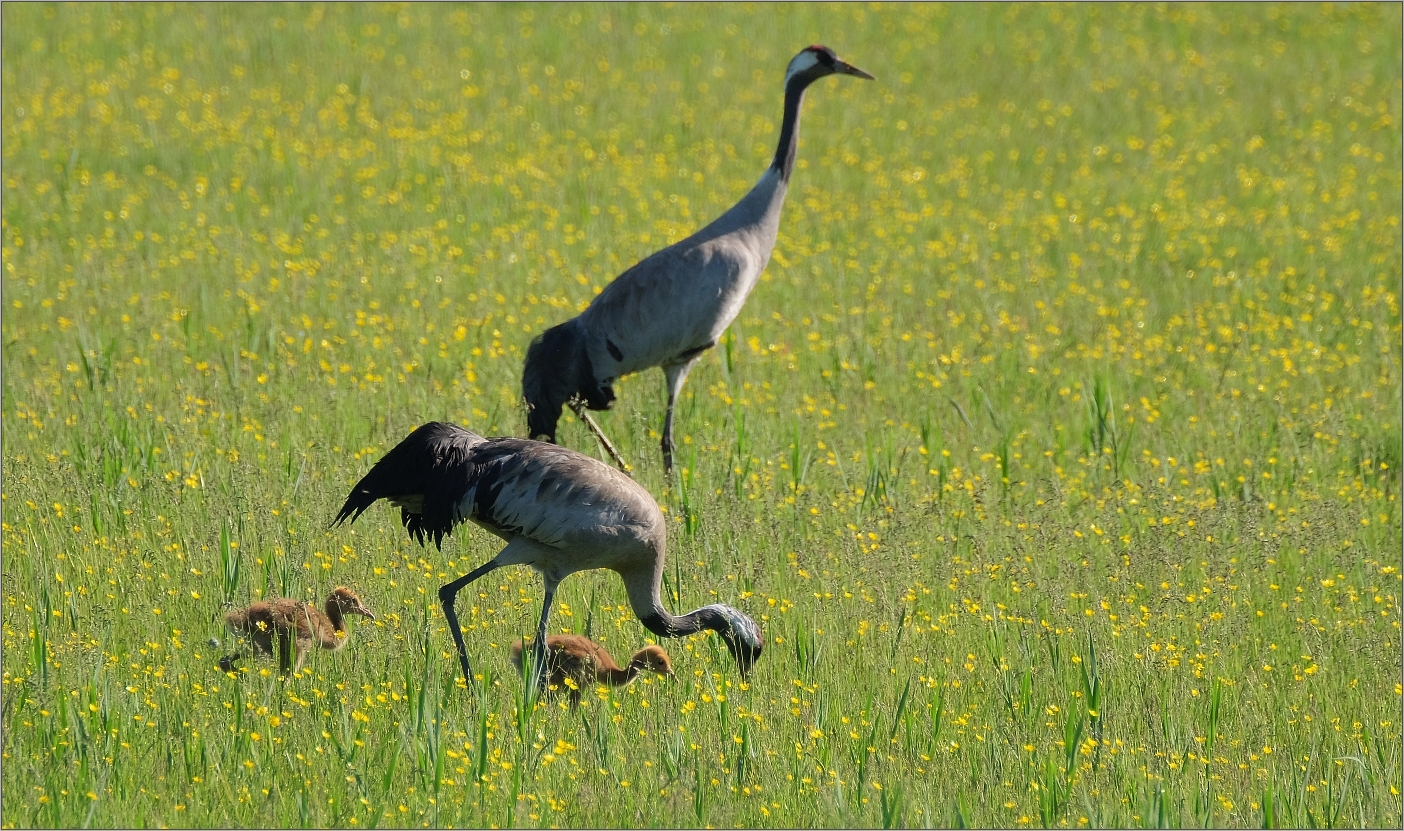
<point x="365" y="612"/>
<point x="849" y="69"/>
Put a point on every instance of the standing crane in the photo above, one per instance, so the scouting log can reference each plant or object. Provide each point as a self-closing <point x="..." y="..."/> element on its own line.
<point x="558" y="511"/>
<point x="671" y="307"/>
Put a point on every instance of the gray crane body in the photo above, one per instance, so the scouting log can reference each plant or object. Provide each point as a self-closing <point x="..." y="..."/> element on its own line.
<point x="676" y="303"/>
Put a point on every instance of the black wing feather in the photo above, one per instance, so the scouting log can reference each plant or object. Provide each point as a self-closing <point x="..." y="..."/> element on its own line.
<point x="434" y="464"/>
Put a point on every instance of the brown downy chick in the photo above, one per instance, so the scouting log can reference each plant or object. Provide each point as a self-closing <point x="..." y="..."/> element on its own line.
<point x="283" y="626"/>
<point x="586" y="663"/>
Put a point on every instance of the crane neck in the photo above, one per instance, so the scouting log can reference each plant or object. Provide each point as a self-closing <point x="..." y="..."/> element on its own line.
<point x="616" y="677"/>
<point x="660" y="622"/>
<point x="645" y="596"/>
<point x="740" y="634"/>
<point x="789" y="127"/>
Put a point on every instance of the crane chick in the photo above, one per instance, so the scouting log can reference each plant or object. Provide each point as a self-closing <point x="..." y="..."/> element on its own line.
<point x="586" y="663"/>
<point x="283" y="626"/>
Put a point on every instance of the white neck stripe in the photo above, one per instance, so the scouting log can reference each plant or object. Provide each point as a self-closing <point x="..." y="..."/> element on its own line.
<point x="802" y="62"/>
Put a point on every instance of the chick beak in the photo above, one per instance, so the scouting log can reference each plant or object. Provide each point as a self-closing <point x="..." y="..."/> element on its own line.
<point x="363" y="611"/>
<point x="850" y="69"/>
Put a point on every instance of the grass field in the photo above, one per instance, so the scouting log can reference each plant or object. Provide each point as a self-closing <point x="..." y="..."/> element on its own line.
<point x="1057" y="452"/>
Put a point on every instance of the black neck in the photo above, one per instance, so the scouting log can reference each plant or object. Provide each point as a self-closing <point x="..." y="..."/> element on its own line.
<point x="789" y="128"/>
<point x="669" y="626"/>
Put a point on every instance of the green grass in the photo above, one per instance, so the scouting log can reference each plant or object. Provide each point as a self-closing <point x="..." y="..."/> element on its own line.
<point x="1057" y="452"/>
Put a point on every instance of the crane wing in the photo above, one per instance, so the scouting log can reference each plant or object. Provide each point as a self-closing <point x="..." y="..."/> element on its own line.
<point x="550" y="494"/>
<point x="674" y="302"/>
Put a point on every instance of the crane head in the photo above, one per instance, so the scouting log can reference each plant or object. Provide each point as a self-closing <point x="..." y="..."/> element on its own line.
<point x="814" y="62"/>
<point x="740" y="634"/>
<point x="349" y="602"/>
<point x="654" y="659"/>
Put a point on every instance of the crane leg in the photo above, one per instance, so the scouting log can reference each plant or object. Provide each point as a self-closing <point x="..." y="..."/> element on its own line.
<point x="447" y="593"/>
<point x="676" y="376"/>
<point x="667" y="443"/>
<point x="538" y="647"/>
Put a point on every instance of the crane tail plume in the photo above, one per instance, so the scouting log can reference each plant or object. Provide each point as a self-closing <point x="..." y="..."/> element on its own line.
<point x="425" y="475"/>
<point x="550" y="378"/>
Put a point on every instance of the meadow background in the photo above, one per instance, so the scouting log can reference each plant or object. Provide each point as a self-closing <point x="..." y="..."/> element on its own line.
<point x="1057" y="452"/>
